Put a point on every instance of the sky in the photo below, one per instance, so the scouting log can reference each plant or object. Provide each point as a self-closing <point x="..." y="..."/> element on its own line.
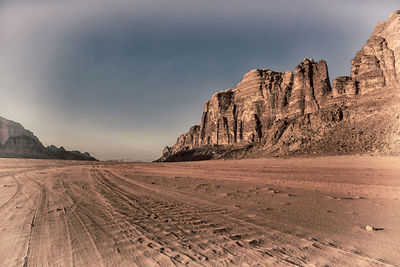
<point x="124" y="78"/>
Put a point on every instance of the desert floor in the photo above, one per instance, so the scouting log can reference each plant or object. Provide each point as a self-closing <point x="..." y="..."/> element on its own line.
<point x="283" y="212"/>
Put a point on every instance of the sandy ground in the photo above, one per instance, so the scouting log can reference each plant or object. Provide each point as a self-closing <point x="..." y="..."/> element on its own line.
<point x="270" y="212"/>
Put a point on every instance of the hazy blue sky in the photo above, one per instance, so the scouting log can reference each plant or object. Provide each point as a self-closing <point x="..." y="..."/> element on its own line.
<point x="122" y="79"/>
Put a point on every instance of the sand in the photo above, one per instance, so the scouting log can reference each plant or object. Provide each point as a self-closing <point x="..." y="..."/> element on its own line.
<point x="266" y="212"/>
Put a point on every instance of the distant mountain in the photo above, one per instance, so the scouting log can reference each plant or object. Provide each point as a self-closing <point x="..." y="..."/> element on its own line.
<point x="272" y="113"/>
<point x="17" y="142"/>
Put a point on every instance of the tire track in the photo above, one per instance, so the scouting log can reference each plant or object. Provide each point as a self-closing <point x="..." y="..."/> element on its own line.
<point x="104" y="222"/>
<point x="133" y="238"/>
<point x="35" y="253"/>
<point x="71" y="257"/>
<point x="93" y="216"/>
<point x="99" y="261"/>
<point x="255" y="238"/>
<point x="170" y="222"/>
<point x="77" y="228"/>
<point x="141" y="216"/>
<point x="14" y="196"/>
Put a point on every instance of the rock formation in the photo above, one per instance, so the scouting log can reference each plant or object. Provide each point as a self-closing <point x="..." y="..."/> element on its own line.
<point x="377" y="64"/>
<point x="17" y="142"/>
<point x="275" y="113"/>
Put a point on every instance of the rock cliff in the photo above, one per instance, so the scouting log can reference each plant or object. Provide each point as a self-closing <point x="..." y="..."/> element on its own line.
<point x="17" y="142"/>
<point x="272" y="113"/>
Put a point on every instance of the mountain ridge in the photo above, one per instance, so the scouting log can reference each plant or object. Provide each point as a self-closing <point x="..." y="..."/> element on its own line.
<point x="18" y="142"/>
<point x="273" y="113"/>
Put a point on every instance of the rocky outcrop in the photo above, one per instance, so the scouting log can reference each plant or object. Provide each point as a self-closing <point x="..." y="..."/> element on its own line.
<point x="377" y="64"/>
<point x="344" y="86"/>
<point x="17" y="142"/>
<point x="285" y="113"/>
<point x="12" y="129"/>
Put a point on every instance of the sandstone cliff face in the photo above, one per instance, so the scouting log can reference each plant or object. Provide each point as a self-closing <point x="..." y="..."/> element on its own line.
<point x="245" y="114"/>
<point x="292" y="112"/>
<point x="377" y="64"/>
<point x="17" y="142"/>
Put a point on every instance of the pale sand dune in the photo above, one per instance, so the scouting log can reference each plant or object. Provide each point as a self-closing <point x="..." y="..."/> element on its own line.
<point x="270" y="212"/>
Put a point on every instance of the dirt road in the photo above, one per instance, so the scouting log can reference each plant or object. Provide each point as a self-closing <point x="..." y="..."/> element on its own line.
<point x="283" y="212"/>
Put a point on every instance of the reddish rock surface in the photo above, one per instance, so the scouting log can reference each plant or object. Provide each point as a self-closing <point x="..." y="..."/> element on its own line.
<point x="377" y="64"/>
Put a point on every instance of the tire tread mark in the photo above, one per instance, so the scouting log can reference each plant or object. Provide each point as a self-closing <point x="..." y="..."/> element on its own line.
<point x="35" y="218"/>
<point x="17" y="192"/>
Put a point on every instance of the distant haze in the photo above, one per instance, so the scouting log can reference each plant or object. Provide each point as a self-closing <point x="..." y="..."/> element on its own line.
<point x="122" y="79"/>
